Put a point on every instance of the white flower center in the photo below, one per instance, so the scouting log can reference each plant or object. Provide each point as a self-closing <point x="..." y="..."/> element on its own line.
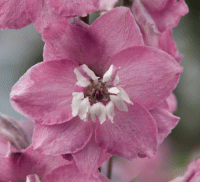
<point x="99" y="97"/>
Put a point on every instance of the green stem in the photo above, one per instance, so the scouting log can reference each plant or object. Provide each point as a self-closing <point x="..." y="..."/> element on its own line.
<point x="109" y="172"/>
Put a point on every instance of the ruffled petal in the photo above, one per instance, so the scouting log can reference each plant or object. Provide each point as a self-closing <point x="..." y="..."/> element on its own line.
<point x="44" y="92"/>
<point x="64" y="138"/>
<point x="148" y="75"/>
<point x="167" y="44"/>
<point x="132" y="134"/>
<point x="74" y="8"/>
<point x="166" y="13"/>
<point x="165" y="122"/>
<point x="42" y="14"/>
<point x="13" y="14"/>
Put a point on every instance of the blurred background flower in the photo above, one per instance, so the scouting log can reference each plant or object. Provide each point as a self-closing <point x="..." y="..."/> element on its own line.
<point x="20" y="49"/>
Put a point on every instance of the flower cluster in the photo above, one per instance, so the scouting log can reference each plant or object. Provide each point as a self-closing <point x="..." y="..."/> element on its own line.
<point x="102" y="89"/>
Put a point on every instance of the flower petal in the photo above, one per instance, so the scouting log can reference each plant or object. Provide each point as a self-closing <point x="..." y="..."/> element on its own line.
<point x="44" y="92"/>
<point x="74" y="8"/>
<point x="90" y="157"/>
<point x="116" y="30"/>
<point x="165" y="122"/>
<point x="166" y="13"/>
<point x="70" y="173"/>
<point x="132" y="134"/>
<point x="13" y="14"/>
<point x="167" y="44"/>
<point x="147" y="75"/>
<point x="42" y="14"/>
<point x="63" y="138"/>
<point x="72" y="42"/>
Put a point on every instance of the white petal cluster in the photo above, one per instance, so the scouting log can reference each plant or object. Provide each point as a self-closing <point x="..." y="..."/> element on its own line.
<point x="81" y="105"/>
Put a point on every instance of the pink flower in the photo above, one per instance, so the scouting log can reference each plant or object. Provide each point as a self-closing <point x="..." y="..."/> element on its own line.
<point x="30" y="165"/>
<point x="143" y="170"/>
<point x="96" y="88"/>
<point x="192" y="173"/>
<point x="18" y="164"/>
<point x="156" y="20"/>
<point x="19" y="13"/>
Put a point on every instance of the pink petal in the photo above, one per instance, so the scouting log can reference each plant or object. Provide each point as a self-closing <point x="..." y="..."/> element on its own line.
<point x="13" y="14"/>
<point x="167" y="44"/>
<point x="33" y="162"/>
<point x="148" y="75"/>
<point x="41" y="14"/>
<point x="70" y="173"/>
<point x="72" y="42"/>
<point x="169" y="104"/>
<point x="95" y="45"/>
<point x="166" y="13"/>
<point x="132" y="134"/>
<point x="165" y="122"/>
<point x="74" y="8"/>
<point x="64" y="138"/>
<point x="115" y="30"/>
<point x="78" y="22"/>
<point x="44" y="92"/>
<point x="90" y="158"/>
<point x="8" y="170"/>
<point x="146" y="23"/>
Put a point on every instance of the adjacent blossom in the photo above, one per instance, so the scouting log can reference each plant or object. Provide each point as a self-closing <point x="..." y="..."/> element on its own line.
<point x="156" y="20"/>
<point x="192" y="173"/>
<point x="30" y="165"/>
<point x="19" y="162"/>
<point x="17" y="14"/>
<point x="12" y="137"/>
<point x="96" y="88"/>
<point x="143" y="170"/>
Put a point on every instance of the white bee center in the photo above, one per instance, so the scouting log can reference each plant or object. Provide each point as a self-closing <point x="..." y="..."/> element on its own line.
<point x="100" y="96"/>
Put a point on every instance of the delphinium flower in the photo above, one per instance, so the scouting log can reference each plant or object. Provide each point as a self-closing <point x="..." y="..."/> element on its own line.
<point x="156" y="20"/>
<point x="95" y="89"/>
<point x="19" y="162"/>
<point x="192" y="173"/>
<point x="17" y="14"/>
